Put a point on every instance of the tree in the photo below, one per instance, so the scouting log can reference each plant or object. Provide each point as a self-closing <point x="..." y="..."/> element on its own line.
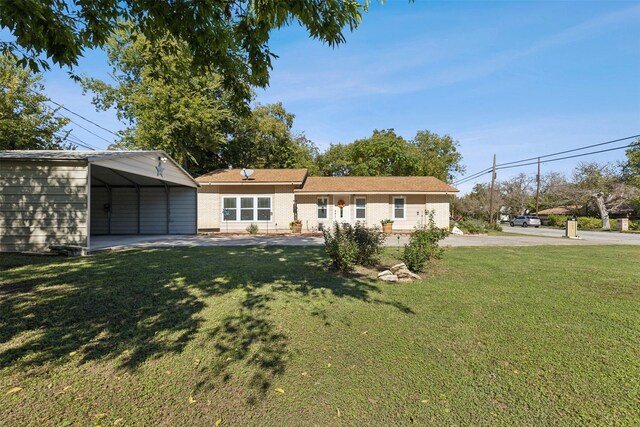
<point x="382" y="154"/>
<point x="165" y="104"/>
<point x="631" y="168"/>
<point x="475" y="204"/>
<point x="601" y="183"/>
<point x="230" y="35"/>
<point x="437" y="155"/>
<point x="385" y="153"/>
<point x="26" y="122"/>
<point x="516" y="194"/>
<point x="264" y="139"/>
<point x="335" y="161"/>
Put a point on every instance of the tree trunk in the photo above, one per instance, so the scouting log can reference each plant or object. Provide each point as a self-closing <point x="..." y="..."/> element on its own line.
<point x="604" y="214"/>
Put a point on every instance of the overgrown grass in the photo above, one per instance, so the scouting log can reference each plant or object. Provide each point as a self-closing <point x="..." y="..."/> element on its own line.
<point x="267" y="336"/>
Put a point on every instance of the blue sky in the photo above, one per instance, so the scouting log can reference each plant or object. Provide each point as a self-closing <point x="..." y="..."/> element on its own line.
<point x="519" y="79"/>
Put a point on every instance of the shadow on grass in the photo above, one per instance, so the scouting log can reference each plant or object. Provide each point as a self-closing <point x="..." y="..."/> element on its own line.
<point x="134" y="306"/>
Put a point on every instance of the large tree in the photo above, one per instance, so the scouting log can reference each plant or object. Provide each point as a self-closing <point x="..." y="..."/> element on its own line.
<point x="437" y="155"/>
<point x="387" y="153"/>
<point x="230" y="35"/>
<point x="164" y="103"/>
<point x="264" y="139"/>
<point x="26" y="121"/>
<point x="517" y="195"/>
<point x="602" y="184"/>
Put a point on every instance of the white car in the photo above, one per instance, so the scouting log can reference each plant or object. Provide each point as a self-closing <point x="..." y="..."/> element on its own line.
<point x="525" y="221"/>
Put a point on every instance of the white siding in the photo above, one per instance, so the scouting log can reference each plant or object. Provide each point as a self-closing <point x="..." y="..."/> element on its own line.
<point x="42" y="203"/>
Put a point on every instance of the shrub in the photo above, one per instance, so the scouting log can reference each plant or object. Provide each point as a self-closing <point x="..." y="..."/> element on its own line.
<point x="473" y="226"/>
<point x="634" y="225"/>
<point x="370" y="242"/>
<point x="423" y="245"/>
<point x="252" y="228"/>
<point x="557" y="220"/>
<point x="340" y="246"/>
<point x="349" y="245"/>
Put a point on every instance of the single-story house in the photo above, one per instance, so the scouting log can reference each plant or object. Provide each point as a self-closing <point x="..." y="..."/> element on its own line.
<point x="65" y="197"/>
<point x="228" y="200"/>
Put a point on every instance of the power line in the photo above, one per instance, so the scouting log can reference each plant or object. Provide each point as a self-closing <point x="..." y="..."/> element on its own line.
<point x="566" y="157"/>
<point x="82" y="117"/>
<point x="517" y="163"/>
<point x="84" y="128"/>
<point x="570" y="151"/>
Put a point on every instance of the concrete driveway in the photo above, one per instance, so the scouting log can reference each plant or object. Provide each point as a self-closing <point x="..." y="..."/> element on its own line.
<point x="524" y="237"/>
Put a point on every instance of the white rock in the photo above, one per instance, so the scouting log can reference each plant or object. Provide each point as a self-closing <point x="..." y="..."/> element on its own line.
<point x="385" y="273"/>
<point x="456" y="230"/>
<point x="389" y="278"/>
<point x="398" y="267"/>
<point x="405" y="273"/>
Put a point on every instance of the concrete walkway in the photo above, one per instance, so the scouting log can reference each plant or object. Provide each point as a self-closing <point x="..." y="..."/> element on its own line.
<point x="526" y="237"/>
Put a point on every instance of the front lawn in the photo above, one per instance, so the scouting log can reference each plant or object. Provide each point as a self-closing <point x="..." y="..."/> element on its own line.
<point x="267" y="336"/>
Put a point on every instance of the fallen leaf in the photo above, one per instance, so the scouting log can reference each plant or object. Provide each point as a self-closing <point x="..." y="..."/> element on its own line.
<point x="118" y="421"/>
<point x="191" y="400"/>
<point x="304" y="374"/>
<point x="328" y="365"/>
<point x="425" y="401"/>
<point x="365" y="332"/>
<point x="73" y="353"/>
<point x="100" y="415"/>
<point x="279" y="390"/>
<point x="218" y="421"/>
<point x="446" y="410"/>
<point x="339" y="415"/>
<point x="14" y="390"/>
<point x="196" y="361"/>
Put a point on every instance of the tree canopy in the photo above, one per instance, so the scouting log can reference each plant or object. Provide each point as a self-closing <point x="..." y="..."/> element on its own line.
<point x="232" y="36"/>
<point x="387" y="153"/>
<point x="26" y="122"/>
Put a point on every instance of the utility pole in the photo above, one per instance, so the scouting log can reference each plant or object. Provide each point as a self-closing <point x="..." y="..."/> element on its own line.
<point x="493" y="182"/>
<point x="538" y="187"/>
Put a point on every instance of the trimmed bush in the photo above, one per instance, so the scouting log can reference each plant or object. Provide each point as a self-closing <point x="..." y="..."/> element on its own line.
<point x="423" y="245"/>
<point x="252" y="228"/>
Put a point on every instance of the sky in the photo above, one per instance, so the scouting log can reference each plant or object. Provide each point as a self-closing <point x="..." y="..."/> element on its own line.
<point x="519" y="79"/>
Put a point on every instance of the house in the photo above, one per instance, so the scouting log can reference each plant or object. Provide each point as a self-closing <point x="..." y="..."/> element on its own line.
<point x="66" y="197"/>
<point x="272" y="198"/>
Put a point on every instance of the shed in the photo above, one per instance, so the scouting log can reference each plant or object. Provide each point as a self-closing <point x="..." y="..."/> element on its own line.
<point x="65" y="197"/>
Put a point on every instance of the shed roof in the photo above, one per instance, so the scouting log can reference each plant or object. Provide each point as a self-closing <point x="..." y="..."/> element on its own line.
<point x="134" y="162"/>
<point x="259" y="176"/>
<point x="375" y="184"/>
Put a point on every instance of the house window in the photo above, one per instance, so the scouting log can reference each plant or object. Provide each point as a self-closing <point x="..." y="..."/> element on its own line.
<point x="398" y="207"/>
<point x="361" y="206"/>
<point x="264" y="208"/>
<point x="252" y="208"/>
<point x="246" y="208"/>
<point x="323" y="202"/>
<point x="230" y="209"/>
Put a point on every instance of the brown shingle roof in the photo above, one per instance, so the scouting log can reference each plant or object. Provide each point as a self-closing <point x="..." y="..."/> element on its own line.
<point x="260" y="176"/>
<point x="375" y="184"/>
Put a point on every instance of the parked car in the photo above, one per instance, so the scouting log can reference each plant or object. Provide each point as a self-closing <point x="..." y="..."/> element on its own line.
<point x="525" y="221"/>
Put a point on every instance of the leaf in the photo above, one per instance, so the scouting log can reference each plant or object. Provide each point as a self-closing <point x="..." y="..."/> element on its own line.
<point x="328" y="365"/>
<point x="73" y="353"/>
<point x="279" y="390"/>
<point x="425" y="401"/>
<point x="218" y="421"/>
<point x="191" y="400"/>
<point x="338" y="411"/>
<point x="304" y="374"/>
<point x="14" y="390"/>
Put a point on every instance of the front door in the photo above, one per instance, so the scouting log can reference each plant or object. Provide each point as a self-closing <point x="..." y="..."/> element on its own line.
<point x="342" y="209"/>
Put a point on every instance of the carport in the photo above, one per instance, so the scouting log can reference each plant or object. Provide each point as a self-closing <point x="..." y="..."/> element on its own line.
<point x="66" y="197"/>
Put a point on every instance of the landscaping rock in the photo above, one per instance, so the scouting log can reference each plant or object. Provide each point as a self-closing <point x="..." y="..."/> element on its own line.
<point x="388" y="278"/>
<point x="384" y="273"/>
<point x="405" y="273"/>
<point x="398" y="267"/>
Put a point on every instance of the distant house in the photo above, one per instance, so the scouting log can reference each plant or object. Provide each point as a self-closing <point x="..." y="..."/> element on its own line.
<point x="272" y="198"/>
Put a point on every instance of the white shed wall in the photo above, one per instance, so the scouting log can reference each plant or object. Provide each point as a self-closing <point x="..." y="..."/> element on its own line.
<point x="42" y="203"/>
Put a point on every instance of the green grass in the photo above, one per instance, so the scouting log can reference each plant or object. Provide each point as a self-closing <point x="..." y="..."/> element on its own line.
<point x="492" y="336"/>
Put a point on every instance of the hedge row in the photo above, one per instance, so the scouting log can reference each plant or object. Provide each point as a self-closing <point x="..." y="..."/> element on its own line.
<point x="589" y="223"/>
